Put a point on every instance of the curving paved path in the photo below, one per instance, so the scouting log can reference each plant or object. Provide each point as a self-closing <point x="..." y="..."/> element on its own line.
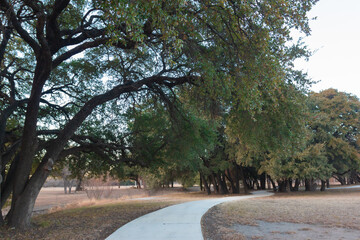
<point x="180" y="221"/>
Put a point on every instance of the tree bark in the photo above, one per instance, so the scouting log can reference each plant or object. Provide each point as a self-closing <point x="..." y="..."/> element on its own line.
<point x="297" y="184"/>
<point x="24" y="198"/>
<point x="308" y="183"/>
<point x="263" y="181"/>
<point x="323" y="185"/>
<point x="206" y="185"/>
<point x="246" y="190"/>
<point x="233" y="187"/>
<point x="222" y="184"/>
<point x="283" y="185"/>
<point x="237" y="178"/>
<point x="215" y="184"/>
<point x="273" y="184"/>
<point x="21" y="210"/>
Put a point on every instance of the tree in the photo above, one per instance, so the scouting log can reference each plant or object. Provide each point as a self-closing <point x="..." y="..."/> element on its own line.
<point x="335" y="122"/>
<point x="62" y="60"/>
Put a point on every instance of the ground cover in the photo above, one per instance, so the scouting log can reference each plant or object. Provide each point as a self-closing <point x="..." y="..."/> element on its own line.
<point x="88" y="222"/>
<point x="74" y="216"/>
<point x="301" y="215"/>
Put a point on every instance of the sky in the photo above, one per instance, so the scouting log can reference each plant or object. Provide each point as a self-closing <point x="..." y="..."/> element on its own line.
<point x="335" y="37"/>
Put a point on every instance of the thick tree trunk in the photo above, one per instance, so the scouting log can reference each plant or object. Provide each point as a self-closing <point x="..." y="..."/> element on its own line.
<point x="296" y="186"/>
<point x="283" y="185"/>
<point x="290" y="182"/>
<point x="323" y="185"/>
<point x="222" y="184"/>
<point x="21" y="209"/>
<point x="327" y="183"/>
<point x="215" y="184"/>
<point x="206" y="185"/>
<point x="263" y="181"/>
<point x="308" y="183"/>
<point x="246" y="190"/>
<point x="79" y="183"/>
<point x="2" y="222"/>
<point x="273" y="184"/>
<point x="231" y="181"/>
<point x="7" y="185"/>
<point x="341" y="179"/>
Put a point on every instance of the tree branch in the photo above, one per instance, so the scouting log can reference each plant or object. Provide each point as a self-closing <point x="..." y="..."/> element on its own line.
<point x="6" y="7"/>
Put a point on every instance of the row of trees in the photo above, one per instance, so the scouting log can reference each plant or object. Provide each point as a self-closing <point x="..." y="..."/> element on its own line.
<point x="316" y="141"/>
<point x="173" y="87"/>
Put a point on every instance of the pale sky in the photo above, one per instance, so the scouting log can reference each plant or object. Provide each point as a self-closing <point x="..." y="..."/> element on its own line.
<point x="336" y="37"/>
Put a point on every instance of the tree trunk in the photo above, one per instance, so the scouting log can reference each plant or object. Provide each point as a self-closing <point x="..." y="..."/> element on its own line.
<point x="22" y="207"/>
<point x="206" y="185"/>
<point x="290" y="182"/>
<point x="79" y="183"/>
<point x="232" y="183"/>
<point x="263" y="181"/>
<point x="323" y="185"/>
<point x="308" y="183"/>
<point x="327" y="183"/>
<point x="24" y="193"/>
<point x="237" y="178"/>
<point x="216" y="186"/>
<point x="297" y="184"/>
<point x="2" y="222"/>
<point x="283" y="185"/>
<point x="273" y="184"/>
<point x="341" y="179"/>
<point x="222" y="184"/>
<point x="246" y="191"/>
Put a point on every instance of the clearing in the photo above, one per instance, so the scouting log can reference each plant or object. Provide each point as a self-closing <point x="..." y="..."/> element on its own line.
<point x="333" y="214"/>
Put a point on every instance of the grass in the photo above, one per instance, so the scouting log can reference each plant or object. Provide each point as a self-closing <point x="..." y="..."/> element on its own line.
<point x="95" y="219"/>
<point x="335" y="208"/>
<point x="87" y="222"/>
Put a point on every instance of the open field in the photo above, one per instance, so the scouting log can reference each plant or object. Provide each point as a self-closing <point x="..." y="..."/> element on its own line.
<point x="74" y="216"/>
<point x="333" y="214"/>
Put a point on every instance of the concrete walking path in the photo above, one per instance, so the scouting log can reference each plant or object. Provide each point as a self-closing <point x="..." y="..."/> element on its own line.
<point x="180" y="221"/>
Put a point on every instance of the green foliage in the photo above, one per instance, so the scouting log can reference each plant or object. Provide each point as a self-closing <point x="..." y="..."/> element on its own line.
<point x="168" y="143"/>
<point x="335" y="123"/>
<point x="165" y="85"/>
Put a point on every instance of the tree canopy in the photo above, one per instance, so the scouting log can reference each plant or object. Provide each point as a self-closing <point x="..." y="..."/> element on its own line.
<point x="71" y="70"/>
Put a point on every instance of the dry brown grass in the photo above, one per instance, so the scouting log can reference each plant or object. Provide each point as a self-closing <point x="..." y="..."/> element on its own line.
<point x="74" y="216"/>
<point x="90" y="222"/>
<point x="335" y="208"/>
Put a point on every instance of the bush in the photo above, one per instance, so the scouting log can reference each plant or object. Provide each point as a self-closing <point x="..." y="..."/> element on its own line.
<point x="97" y="189"/>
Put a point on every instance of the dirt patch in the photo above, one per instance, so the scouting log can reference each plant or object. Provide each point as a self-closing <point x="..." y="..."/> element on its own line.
<point x="333" y="211"/>
<point x="296" y="231"/>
